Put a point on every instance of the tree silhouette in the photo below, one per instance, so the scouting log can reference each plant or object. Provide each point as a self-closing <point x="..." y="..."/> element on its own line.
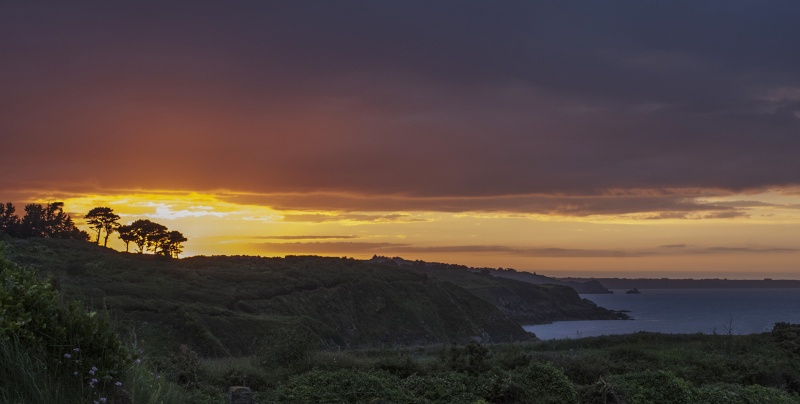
<point x="8" y="220"/>
<point x="156" y="237"/>
<point x="142" y="233"/>
<point x="103" y="218"/>
<point x="126" y="234"/>
<point x="151" y="236"/>
<point x="173" y="246"/>
<point x="49" y="221"/>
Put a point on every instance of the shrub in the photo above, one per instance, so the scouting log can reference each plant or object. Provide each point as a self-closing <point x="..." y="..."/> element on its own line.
<point x="287" y="346"/>
<point x="341" y="386"/>
<point x="454" y="387"/>
<point x="77" y="348"/>
<point x="649" y="387"/>
<point x="543" y="383"/>
<point x="473" y="358"/>
<point x="738" y="394"/>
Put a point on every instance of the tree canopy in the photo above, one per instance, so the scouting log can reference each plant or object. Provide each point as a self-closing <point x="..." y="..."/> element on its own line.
<point x="48" y="221"/>
<point x="100" y="219"/>
<point x="152" y="236"/>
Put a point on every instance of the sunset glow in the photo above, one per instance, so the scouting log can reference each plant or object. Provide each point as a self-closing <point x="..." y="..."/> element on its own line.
<point x="269" y="129"/>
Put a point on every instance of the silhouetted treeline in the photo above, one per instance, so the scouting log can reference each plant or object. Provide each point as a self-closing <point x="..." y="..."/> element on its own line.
<point x="47" y="221"/>
<point x="50" y="221"/>
<point x="152" y="236"/>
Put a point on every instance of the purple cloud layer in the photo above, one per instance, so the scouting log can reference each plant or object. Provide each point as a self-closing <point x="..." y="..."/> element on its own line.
<point x="447" y="105"/>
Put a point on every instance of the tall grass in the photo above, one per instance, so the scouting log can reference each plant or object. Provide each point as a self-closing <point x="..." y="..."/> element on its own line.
<point x="25" y="378"/>
<point x="28" y="377"/>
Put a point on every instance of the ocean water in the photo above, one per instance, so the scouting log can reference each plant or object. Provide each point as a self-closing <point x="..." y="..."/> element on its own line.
<point x="684" y="311"/>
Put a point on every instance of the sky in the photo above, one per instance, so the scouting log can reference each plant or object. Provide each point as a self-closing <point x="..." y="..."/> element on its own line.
<point x="628" y="138"/>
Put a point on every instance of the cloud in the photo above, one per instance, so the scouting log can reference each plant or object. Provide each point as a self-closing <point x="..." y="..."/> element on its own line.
<point x="325" y="247"/>
<point x="310" y="237"/>
<point x="658" y="204"/>
<point x="166" y="211"/>
<point x="398" y="248"/>
<point x="349" y="217"/>
<point x="757" y="250"/>
<point x="492" y="104"/>
<point x="411" y="251"/>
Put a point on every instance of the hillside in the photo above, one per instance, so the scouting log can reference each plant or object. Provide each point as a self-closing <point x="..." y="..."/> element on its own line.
<point x="521" y="300"/>
<point x="221" y="306"/>
<point x="583" y="286"/>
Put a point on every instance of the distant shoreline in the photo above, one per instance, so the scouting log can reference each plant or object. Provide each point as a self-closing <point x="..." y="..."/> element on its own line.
<point x="651" y="283"/>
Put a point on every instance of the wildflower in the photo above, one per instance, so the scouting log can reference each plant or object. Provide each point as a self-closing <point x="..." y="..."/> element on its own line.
<point x="102" y="399"/>
<point x="76" y="350"/>
<point x="118" y="384"/>
<point x="94" y="369"/>
<point x="66" y="355"/>
<point x="74" y="373"/>
<point x="137" y="361"/>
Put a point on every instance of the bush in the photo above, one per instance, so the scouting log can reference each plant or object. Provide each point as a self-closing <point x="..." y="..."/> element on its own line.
<point x="342" y="386"/>
<point x="286" y="346"/>
<point x="452" y="387"/>
<point x="543" y="383"/>
<point x="737" y="394"/>
<point x="648" y="387"/>
<point x="473" y="358"/>
<point x="77" y="348"/>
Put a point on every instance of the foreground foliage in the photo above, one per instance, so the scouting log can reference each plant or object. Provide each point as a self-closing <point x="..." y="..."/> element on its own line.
<point x="57" y="352"/>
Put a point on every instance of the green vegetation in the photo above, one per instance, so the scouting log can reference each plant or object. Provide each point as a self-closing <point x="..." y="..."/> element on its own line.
<point x="231" y="306"/>
<point x="521" y="301"/>
<point x="52" y="351"/>
<point x="313" y="329"/>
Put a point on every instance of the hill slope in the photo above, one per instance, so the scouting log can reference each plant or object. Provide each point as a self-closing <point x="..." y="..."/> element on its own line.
<point x="521" y="300"/>
<point x="221" y="306"/>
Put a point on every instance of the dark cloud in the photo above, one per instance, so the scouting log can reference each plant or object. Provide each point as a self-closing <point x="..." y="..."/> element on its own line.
<point x="654" y="204"/>
<point x="396" y="248"/>
<point x="415" y="99"/>
<point x="362" y="248"/>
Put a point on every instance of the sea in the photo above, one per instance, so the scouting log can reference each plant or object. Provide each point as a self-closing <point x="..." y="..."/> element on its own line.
<point x="684" y="311"/>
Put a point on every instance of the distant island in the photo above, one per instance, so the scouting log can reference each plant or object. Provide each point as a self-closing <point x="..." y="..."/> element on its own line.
<point x="633" y="291"/>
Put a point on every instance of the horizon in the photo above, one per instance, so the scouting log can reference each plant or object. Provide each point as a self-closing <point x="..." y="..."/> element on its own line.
<point x="562" y="139"/>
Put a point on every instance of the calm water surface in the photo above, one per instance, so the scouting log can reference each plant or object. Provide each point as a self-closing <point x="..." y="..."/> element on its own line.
<point x="684" y="311"/>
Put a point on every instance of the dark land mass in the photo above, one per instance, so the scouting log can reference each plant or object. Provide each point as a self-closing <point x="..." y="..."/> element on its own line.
<point x="226" y="305"/>
<point x="583" y="286"/>
<point x="526" y="299"/>
<point x="665" y="283"/>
